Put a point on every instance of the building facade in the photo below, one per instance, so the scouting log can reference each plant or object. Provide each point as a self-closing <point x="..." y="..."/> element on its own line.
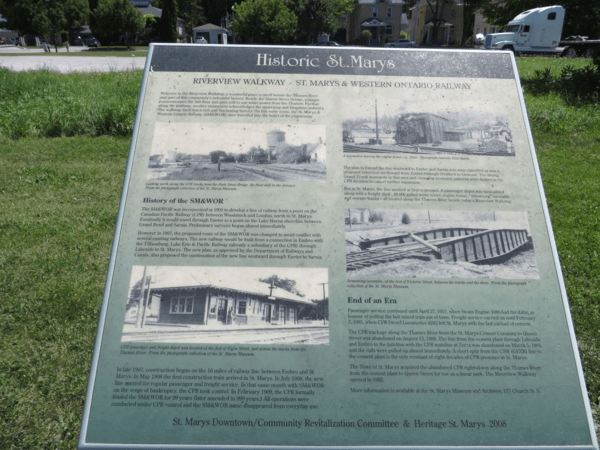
<point x="384" y="19"/>
<point x="145" y="7"/>
<point x="212" y="33"/>
<point x="229" y="303"/>
<point x="421" y="128"/>
<point x="357" y="215"/>
<point x="450" y="23"/>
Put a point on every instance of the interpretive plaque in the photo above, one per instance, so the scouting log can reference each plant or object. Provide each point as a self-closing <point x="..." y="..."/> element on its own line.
<point x="334" y="248"/>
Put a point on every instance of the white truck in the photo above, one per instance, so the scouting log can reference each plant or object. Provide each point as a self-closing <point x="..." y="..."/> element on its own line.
<point x="538" y="31"/>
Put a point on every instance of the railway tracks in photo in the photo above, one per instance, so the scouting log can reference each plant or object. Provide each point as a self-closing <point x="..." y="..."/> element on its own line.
<point x="474" y="245"/>
<point x="309" y="335"/>
<point x="421" y="150"/>
<point x="283" y="174"/>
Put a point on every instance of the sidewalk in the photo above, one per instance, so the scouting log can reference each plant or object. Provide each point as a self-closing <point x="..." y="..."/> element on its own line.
<point x="69" y="64"/>
<point x="11" y="49"/>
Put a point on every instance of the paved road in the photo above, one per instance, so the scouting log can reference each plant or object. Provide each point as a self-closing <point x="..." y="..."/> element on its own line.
<point x="26" y="59"/>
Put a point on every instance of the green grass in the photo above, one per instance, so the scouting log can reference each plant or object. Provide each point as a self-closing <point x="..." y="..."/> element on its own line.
<point x="554" y="111"/>
<point x="529" y="64"/>
<point x="50" y="104"/>
<point x="570" y="164"/>
<point x="552" y="114"/>
<point x="567" y="139"/>
<point x="60" y="205"/>
<point x="61" y="198"/>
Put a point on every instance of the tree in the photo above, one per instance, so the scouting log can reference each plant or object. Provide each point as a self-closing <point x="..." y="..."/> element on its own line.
<point x="267" y="21"/>
<point x="365" y="37"/>
<point x="216" y="155"/>
<point x="319" y="310"/>
<point x="284" y="283"/>
<point x="469" y="8"/>
<point x="168" y="21"/>
<point x="43" y="17"/>
<point x="192" y="12"/>
<point x="405" y="218"/>
<point x="77" y="12"/>
<point x="134" y="295"/>
<point x="115" y="18"/>
<point x="216" y="10"/>
<point x="322" y="309"/>
<point x="316" y="17"/>
<point x="436" y="8"/>
<point x="582" y="17"/>
<point x="375" y="217"/>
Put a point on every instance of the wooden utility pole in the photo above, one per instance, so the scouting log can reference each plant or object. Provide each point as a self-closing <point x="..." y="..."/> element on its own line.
<point x="323" y="284"/>
<point x="138" y="320"/>
<point x="376" y="124"/>
<point x="146" y="297"/>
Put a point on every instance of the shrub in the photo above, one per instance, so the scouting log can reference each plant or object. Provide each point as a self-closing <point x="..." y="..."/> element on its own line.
<point x="365" y="37"/>
<point x="580" y="85"/>
<point x="575" y="85"/>
<point x="375" y="217"/>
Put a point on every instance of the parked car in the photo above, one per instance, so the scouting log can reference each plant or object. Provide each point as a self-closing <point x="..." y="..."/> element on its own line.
<point x="92" y="42"/>
<point x="479" y="39"/>
<point x="329" y="43"/>
<point x="402" y="43"/>
<point x="201" y="40"/>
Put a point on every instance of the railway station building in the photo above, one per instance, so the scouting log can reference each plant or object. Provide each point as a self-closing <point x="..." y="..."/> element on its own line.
<point x="226" y="302"/>
<point x="421" y="128"/>
<point x="358" y="215"/>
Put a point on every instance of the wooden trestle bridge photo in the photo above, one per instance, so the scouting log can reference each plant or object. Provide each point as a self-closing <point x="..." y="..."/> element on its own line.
<point x="453" y="244"/>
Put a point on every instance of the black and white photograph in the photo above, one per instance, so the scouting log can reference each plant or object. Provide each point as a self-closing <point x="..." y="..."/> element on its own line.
<point x="439" y="244"/>
<point x="243" y="305"/>
<point x="238" y="152"/>
<point x="385" y="127"/>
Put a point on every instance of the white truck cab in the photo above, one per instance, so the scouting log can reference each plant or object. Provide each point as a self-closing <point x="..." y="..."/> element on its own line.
<point x="537" y="30"/>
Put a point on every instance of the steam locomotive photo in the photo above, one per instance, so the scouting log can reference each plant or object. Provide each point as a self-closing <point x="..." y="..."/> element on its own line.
<point x="432" y="133"/>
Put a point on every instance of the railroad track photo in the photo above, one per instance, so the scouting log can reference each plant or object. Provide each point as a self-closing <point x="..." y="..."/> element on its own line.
<point x="468" y="245"/>
<point x="239" y="152"/>
<point x="308" y="335"/>
<point x="502" y="247"/>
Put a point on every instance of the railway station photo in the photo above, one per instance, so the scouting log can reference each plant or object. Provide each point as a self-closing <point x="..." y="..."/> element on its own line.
<point x="391" y="129"/>
<point x="238" y="152"/>
<point x="227" y="305"/>
<point x="439" y="244"/>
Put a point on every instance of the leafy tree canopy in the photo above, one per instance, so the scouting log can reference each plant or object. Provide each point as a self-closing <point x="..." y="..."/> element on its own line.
<point x="436" y="9"/>
<point x="283" y="283"/>
<point x="267" y="21"/>
<point x="216" y="10"/>
<point x="168" y="21"/>
<point x="192" y="12"/>
<point x="77" y="12"/>
<point x="117" y="17"/>
<point x="316" y="17"/>
<point x="43" y="17"/>
<point x="469" y="8"/>
<point x="582" y="17"/>
<point x="134" y="294"/>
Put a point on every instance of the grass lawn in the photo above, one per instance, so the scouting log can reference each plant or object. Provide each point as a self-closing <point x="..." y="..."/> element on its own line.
<point x="60" y="205"/>
<point x="51" y="104"/>
<point x="567" y="139"/>
<point x="61" y="196"/>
